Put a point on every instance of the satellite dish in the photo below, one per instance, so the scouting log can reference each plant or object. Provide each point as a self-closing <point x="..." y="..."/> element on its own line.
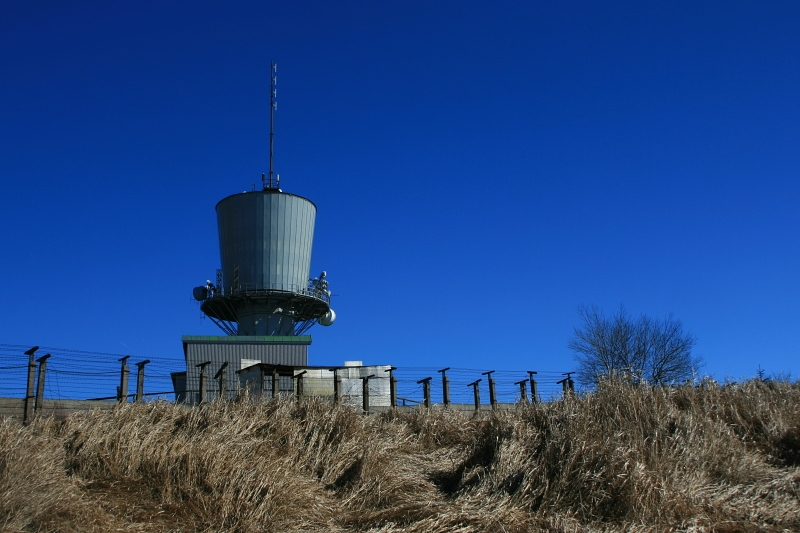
<point x="200" y="293"/>
<point x="328" y="318"/>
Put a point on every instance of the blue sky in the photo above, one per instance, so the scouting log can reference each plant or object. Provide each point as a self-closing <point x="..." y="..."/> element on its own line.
<point x="480" y="169"/>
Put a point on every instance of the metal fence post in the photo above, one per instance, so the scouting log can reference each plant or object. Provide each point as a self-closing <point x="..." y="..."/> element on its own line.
<point x="445" y="386"/>
<point x="365" y="392"/>
<point x="221" y="375"/>
<point x="392" y="386"/>
<point x="140" y="380"/>
<point x="477" y="392"/>
<point x="122" y="390"/>
<point x="299" y="389"/>
<point x="203" y="379"/>
<point x="426" y="391"/>
<point x="40" y="383"/>
<point x="29" y="392"/>
<point x="523" y="390"/>
<point x="492" y="392"/>
<point x="534" y="387"/>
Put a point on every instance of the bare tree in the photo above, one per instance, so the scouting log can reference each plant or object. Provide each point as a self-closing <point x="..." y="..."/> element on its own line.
<point x="643" y="349"/>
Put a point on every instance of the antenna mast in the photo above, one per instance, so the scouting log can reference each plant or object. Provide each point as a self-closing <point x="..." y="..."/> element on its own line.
<point x="273" y="105"/>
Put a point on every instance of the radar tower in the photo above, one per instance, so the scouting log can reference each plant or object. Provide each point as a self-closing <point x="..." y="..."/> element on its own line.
<point x="265" y="238"/>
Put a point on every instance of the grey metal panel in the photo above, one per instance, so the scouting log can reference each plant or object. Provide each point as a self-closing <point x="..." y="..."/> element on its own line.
<point x="268" y="235"/>
<point x="217" y="353"/>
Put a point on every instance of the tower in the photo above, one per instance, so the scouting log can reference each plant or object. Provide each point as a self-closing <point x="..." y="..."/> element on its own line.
<point x="263" y="287"/>
<point x="263" y="298"/>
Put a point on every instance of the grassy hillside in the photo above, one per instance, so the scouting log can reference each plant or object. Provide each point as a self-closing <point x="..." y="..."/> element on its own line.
<point x="621" y="459"/>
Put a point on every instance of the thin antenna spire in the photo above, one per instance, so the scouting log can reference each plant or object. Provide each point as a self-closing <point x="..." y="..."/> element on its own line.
<point x="273" y="105"/>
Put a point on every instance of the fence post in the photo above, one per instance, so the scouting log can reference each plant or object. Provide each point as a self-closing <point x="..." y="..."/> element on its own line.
<point x="40" y="383"/>
<point x="122" y="390"/>
<point x="445" y="386"/>
<point x="477" y="392"/>
<point x="523" y="390"/>
<point x="299" y="389"/>
<point x="29" y="397"/>
<point x="203" y="385"/>
<point x="365" y="392"/>
<point x="567" y="384"/>
<point x="392" y="386"/>
<point x="492" y="392"/>
<point x="337" y="387"/>
<point x="534" y="387"/>
<point x="140" y="380"/>
<point x="221" y="375"/>
<point x="276" y="383"/>
<point x="426" y="391"/>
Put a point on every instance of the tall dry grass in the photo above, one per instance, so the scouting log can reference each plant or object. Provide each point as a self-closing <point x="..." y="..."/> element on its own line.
<point x="619" y="459"/>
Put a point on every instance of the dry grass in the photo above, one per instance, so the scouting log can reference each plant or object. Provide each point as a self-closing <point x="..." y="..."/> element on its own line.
<point x="721" y="459"/>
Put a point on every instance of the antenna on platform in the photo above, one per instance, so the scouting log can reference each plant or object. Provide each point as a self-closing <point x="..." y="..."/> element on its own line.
<point x="274" y="181"/>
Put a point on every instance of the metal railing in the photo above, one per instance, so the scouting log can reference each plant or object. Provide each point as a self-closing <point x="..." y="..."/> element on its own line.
<point x="272" y="288"/>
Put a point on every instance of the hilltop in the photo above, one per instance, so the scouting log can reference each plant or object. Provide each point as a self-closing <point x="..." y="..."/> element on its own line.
<point x="711" y="458"/>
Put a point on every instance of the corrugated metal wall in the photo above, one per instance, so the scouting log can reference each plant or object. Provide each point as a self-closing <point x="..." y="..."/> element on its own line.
<point x="219" y="352"/>
<point x="268" y="235"/>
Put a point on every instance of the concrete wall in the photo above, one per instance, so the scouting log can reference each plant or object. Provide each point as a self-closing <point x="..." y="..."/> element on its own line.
<point x="318" y="382"/>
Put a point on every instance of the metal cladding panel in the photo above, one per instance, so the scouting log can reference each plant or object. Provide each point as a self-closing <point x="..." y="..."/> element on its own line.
<point x="233" y="353"/>
<point x="268" y="236"/>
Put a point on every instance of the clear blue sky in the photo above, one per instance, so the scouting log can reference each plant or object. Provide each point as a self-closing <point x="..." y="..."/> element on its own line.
<point x="480" y="169"/>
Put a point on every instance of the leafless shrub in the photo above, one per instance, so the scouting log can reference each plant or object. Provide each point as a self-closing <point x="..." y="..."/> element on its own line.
<point x="655" y="351"/>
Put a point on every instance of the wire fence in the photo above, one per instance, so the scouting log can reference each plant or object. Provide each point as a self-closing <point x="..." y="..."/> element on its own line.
<point x="462" y="392"/>
<point x="83" y="375"/>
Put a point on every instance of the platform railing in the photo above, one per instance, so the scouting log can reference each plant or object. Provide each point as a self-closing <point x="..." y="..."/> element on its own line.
<point x="271" y="288"/>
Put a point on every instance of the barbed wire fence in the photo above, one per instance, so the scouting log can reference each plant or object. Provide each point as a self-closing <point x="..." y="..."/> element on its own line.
<point x="84" y="375"/>
<point x="460" y="388"/>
